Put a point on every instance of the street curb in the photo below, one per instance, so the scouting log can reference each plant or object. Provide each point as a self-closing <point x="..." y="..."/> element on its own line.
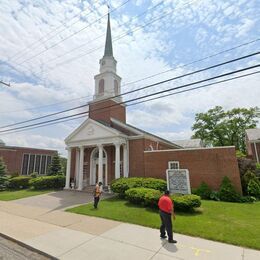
<point x="27" y="246"/>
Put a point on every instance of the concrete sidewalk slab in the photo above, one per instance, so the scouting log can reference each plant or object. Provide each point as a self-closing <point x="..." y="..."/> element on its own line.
<point x="60" y="218"/>
<point x="59" y="200"/>
<point x="107" y="249"/>
<point x="136" y="235"/>
<point x="191" y="247"/>
<point x="95" y="226"/>
<point x="20" y="210"/>
<point x="23" y="228"/>
<point x="59" y="242"/>
<point x="250" y="254"/>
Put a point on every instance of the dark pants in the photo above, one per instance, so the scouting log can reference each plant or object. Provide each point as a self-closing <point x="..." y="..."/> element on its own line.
<point x="166" y="219"/>
<point x="96" y="200"/>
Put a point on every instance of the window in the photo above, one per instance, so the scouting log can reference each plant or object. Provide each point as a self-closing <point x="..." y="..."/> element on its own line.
<point x="48" y="163"/>
<point x="173" y="165"/>
<point x="101" y="87"/>
<point x="116" y="89"/>
<point x="43" y="165"/>
<point x="37" y="163"/>
<point x="31" y="164"/>
<point x="25" y="164"/>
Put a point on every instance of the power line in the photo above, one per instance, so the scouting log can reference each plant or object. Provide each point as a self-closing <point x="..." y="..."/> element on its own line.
<point x="142" y="88"/>
<point x="118" y="38"/>
<point x="4" y="83"/>
<point x="142" y="79"/>
<point x="43" y="37"/>
<point x="144" y="101"/>
<point x="137" y="98"/>
<point x="71" y="35"/>
<point x="195" y="88"/>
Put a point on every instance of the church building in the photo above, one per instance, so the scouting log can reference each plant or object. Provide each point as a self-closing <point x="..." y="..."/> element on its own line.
<point x="104" y="147"/>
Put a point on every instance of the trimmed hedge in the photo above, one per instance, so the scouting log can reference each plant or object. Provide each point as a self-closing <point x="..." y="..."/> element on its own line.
<point x="186" y="202"/>
<point x="48" y="182"/>
<point x="150" y="197"/>
<point x="203" y="191"/>
<point x="121" y="185"/>
<point x="21" y="182"/>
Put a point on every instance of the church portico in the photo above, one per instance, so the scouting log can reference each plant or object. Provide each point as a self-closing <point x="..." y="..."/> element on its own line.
<point x="95" y="159"/>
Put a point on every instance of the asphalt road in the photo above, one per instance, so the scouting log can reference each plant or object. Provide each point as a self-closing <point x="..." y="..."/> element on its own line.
<point x="10" y="250"/>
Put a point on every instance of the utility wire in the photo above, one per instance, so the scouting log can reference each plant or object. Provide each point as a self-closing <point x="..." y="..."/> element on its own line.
<point x="71" y="35"/>
<point x="32" y="46"/>
<point x="4" y="83"/>
<point x="137" y="98"/>
<point x="142" y="79"/>
<point x="144" y="101"/>
<point x="142" y="88"/>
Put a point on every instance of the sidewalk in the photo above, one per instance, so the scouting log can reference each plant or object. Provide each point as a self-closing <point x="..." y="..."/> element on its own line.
<point x="70" y="236"/>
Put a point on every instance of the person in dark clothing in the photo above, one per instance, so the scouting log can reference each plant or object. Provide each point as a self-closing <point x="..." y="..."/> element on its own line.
<point x="97" y="194"/>
<point x="166" y="208"/>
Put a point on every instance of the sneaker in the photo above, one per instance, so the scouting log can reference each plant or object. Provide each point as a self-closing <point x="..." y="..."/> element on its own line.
<point x="172" y="241"/>
<point x="163" y="236"/>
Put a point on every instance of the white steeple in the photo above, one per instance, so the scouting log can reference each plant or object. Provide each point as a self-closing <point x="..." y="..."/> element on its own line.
<point x="107" y="82"/>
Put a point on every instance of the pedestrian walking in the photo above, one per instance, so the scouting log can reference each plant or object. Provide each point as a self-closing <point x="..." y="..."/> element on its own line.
<point x="97" y="194"/>
<point x="166" y="209"/>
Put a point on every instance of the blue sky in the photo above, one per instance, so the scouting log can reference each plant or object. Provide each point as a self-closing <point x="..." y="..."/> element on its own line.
<point x="169" y="34"/>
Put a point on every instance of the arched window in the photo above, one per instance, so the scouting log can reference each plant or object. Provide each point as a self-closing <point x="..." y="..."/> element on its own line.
<point x="116" y="89"/>
<point x="101" y="87"/>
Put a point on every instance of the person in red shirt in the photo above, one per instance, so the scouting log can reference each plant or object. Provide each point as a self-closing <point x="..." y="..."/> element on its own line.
<point x="166" y="208"/>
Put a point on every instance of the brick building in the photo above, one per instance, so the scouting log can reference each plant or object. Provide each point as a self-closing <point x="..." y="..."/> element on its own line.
<point x="105" y="147"/>
<point x="24" y="160"/>
<point x="253" y="143"/>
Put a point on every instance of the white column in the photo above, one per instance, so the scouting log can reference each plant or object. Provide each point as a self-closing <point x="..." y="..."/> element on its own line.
<point x="100" y="163"/>
<point x="125" y="160"/>
<point x="256" y="153"/>
<point x="81" y="161"/>
<point x="77" y="168"/>
<point x="117" y="161"/>
<point x="67" y="186"/>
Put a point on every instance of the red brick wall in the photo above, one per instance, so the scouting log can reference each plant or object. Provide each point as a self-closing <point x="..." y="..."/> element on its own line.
<point x="104" y="112"/>
<point x="136" y="157"/>
<point x="13" y="156"/>
<point x="208" y="165"/>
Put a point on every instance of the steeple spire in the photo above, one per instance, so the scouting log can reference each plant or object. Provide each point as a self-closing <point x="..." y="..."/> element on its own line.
<point x="108" y="47"/>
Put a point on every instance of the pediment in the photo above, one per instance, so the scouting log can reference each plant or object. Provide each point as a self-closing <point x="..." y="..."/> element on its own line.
<point x="89" y="130"/>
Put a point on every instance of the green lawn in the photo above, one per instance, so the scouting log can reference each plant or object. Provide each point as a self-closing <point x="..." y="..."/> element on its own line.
<point x="233" y="223"/>
<point x="19" y="194"/>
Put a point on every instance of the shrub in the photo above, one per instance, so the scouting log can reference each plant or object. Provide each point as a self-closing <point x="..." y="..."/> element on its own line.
<point x="34" y="174"/>
<point x="254" y="188"/>
<point x="248" y="176"/>
<point x="21" y="182"/>
<point x="203" y="191"/>
<point x="121" y="185"/>
<point x="227" y="191"/>
<point x="3" y="172"/>
<point x="48" y="182"/>
<point x="186" y="202"/>
<point x="151" y="198"/>
<point x="214" y="195"/>
<point x="156" y="184"/>
<point x="55" y="167"/>
<point x="246" y="199"/>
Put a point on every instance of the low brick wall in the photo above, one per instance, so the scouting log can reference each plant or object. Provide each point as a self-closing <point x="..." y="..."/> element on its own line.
<point x="205" y="164"/>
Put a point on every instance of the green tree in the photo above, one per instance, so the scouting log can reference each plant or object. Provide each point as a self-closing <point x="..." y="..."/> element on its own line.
<point x="3" y="177"/>
<point x="55" y="166"/>
<point x="219" y="128"/>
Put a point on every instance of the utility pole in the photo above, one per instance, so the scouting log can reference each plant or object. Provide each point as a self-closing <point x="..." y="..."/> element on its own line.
<point x="6" y="84"/>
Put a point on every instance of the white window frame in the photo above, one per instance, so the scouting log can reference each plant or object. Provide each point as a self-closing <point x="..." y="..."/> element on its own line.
<point x="174" y="162"/>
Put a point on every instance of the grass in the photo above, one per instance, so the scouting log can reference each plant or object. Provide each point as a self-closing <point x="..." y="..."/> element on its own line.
<point x="19" y="194"/>
<point x="233" y="223"/>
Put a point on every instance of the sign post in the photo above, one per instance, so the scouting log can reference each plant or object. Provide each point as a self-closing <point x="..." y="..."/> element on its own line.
<point x="178" y="181"/>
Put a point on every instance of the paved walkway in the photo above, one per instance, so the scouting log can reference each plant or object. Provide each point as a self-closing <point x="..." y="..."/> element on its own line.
<point x="66" y="235"/>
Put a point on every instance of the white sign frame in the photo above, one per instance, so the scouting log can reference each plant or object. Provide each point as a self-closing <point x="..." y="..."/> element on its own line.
<point x="186" y="171"/>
